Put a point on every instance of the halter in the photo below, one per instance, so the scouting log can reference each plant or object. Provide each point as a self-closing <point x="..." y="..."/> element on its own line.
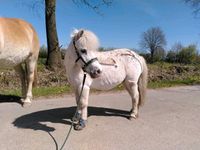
<point x="79" y="57"/>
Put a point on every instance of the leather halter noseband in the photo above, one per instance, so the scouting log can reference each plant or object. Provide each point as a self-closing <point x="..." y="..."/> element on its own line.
<point x="79" y="57"/>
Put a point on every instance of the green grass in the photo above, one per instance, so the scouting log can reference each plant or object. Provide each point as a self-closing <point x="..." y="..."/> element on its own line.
<point x="59" y="90"/>
<point x="162" y="84"/>
<point x="46" y="91"/>
<point x="188" y="79"/>
<point x="41" y="91"/>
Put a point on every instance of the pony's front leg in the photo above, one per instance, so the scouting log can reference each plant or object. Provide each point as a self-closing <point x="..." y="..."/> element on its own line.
<point x="77" y="115"/>
<point x="82" y="106"/>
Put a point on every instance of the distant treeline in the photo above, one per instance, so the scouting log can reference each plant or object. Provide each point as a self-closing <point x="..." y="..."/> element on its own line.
<point x="177" y="54"/>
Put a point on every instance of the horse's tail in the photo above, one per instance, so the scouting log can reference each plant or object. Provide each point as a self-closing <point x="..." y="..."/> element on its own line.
<point x="142" y="82"/>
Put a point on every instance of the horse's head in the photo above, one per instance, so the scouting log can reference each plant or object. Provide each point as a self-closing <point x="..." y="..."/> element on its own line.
<point x="85" y="44"/>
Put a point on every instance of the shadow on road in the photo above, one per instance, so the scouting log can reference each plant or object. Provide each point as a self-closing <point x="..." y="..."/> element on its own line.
<point x="36" y="120"/>
<point x="10" y="99"/>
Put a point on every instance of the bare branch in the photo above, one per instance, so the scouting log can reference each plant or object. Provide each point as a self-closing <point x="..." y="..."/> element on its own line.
<point x="94" y="5"/>
<point x="35" y="6"/>
<point x="195" y="5"/>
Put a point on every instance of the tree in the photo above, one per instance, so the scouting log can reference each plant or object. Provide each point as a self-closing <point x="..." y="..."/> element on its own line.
<point x="152" y="40"/>
<point x="54" y="55"/>
<point x="159" y="54"/>
<point x="54" y="61"/>
<point x="195" y="4"/>
<point x="172" y="55"/>
<point x="94" y="5"/>
<point x="177" y="47"/>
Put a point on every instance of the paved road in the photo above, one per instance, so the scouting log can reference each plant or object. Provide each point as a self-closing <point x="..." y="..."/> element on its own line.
<point x="170" y="120"/>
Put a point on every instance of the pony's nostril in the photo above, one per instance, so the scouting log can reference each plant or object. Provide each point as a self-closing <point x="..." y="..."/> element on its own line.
<point x="99" y="71"/>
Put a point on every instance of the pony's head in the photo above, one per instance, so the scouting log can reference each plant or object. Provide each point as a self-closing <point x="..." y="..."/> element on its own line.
<point x="85" y="44"/>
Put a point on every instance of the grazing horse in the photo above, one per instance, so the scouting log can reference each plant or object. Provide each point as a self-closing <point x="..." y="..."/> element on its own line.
<point x="19" y="44"/>
<point x="105" y="71"/>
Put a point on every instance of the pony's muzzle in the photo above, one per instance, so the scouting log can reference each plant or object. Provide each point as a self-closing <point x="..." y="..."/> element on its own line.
<point x="95" y="73"/>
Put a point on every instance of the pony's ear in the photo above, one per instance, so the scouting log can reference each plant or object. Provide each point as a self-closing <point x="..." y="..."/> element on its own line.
<point x="79" y="34"/>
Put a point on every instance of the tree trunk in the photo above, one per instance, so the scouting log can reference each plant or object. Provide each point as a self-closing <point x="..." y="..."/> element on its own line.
<point x="54" y="55"/>
<point x="152" y="50"/>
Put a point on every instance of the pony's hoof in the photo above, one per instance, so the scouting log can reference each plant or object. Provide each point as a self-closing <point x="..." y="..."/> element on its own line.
<point x="80" y="125"/>
<point x="76" y="118"/>
<point x="133" y="116"/>
<point x="26" y="104"/>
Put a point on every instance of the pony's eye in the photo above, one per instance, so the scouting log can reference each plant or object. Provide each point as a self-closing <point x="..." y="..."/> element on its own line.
<point x="83" y="51"/>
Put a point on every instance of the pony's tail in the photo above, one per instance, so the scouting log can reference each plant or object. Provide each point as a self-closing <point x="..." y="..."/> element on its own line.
<point x="142" y="82"/>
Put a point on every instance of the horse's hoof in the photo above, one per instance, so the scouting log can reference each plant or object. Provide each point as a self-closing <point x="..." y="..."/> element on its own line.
<point x="80" y="125"/>
<point x="26" y="104"/>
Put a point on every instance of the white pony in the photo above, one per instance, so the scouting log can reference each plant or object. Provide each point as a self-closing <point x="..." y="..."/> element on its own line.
<point x="106" y="70"/>
<point x="19" y="44"/>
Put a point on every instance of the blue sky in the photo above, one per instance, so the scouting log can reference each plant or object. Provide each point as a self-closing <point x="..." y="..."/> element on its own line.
<point x="121" y="24"/>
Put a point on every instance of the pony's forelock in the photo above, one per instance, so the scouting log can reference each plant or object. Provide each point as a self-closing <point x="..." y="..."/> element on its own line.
<point x="74" y="33"/>
<point x="91" y="40"/>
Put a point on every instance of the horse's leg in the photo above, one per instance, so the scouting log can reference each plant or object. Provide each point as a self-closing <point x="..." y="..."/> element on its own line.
<point x="83" y="106"/>
<point x="30" y="64"/>
<point x="19" y="69"/>
<point x="132" y="88"/>
<point x="77" y="115"/>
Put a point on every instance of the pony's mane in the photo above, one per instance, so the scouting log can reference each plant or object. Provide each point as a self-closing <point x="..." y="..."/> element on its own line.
<point x="85" y="38"/>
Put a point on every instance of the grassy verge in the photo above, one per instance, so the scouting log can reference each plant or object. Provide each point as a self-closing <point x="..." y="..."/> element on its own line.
<point x="162" y="84"/>
<point x="160" y="75"/>
<point x="54" y="91"/>
<point x="41" y="91"/>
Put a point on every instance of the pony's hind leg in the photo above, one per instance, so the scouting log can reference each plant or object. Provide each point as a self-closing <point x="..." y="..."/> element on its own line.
<point x="19" y="69"/>
<point x="30" y="64"/>
<point x="132" y="88"/>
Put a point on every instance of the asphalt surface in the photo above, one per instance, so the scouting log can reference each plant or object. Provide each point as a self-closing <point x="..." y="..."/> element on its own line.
<point x="169" y="120"/>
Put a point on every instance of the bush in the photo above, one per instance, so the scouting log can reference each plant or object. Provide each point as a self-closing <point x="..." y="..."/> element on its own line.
<point x="159" y="54"/>
<point x="187" y="55"/>
<point x="147" y="57"/>
<point x="171" y="56"/>
<point x="43" y="52"/>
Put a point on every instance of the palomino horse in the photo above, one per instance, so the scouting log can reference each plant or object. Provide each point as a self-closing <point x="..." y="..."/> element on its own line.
<point x="106" y="70"/>
<point x="19" y="44"/>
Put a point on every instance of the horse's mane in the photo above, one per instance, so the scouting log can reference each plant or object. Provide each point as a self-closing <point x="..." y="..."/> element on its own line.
<point x="85" y="38"/>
